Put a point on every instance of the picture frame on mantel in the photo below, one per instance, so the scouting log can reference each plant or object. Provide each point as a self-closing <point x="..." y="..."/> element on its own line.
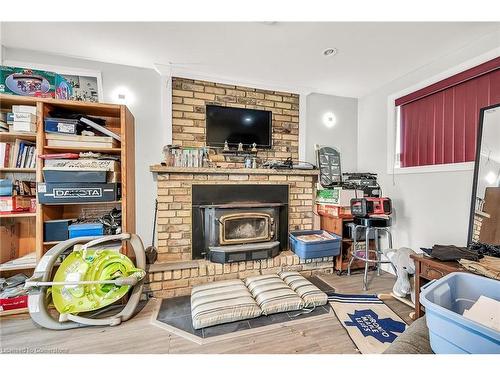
<point x="86" y="83"/>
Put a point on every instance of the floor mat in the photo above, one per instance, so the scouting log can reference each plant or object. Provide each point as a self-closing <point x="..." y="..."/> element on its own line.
<point x="176" y="312"/>
<point x="371" y="324"/>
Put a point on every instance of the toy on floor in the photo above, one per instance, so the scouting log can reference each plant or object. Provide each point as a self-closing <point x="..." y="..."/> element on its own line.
<point x="405" y="267"/>
<point x="90" y="278"/>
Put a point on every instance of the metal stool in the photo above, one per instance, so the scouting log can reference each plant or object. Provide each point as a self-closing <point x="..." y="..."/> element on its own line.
<point x="377" y="225"/>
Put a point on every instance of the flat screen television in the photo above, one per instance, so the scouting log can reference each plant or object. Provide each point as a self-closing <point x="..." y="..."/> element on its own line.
<point x="236" y="125"/>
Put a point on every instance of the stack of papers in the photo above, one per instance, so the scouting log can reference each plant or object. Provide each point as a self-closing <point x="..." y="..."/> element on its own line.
<point x="485" y="311"/>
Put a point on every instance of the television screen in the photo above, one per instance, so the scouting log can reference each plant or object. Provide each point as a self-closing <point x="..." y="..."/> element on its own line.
<point x="236" y="125"/>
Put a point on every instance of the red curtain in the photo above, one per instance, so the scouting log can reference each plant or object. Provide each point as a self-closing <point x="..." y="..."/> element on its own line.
<point x="441" y="127"/>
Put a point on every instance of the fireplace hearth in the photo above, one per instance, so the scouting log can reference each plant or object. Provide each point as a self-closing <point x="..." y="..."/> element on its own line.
<point x="234" y="223"/>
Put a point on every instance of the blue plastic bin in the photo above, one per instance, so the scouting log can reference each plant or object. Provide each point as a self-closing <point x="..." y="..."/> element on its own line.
<point x="85" y="230"/>
<point x="316" y="249"/>
<point x="445" y="301"/>
<point x="5" y="187"/>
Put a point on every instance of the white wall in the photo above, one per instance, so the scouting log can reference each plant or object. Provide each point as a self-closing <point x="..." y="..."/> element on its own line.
<point x="150" y="132"/>
<point x="343" y="135"/>
<point x="430" y="208"/>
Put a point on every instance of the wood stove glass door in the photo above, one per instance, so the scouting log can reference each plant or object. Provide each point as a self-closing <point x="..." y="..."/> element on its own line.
<point x="245" y="227"/>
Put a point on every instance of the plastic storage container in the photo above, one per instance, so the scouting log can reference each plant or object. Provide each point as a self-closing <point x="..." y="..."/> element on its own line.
<point x="58" y="175"/>
<point x="445" y="301"/>
<point x="314" y="249"/>
<point x="84" y="230"/>
<point x="5" y="187"/>
<point x="56" y="230"/>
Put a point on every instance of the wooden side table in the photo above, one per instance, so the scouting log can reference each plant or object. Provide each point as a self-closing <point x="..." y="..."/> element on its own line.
<point x="427" y="269"/>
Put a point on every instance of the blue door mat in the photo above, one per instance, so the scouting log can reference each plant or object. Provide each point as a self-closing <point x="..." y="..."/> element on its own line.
<point x="176" y="312"/>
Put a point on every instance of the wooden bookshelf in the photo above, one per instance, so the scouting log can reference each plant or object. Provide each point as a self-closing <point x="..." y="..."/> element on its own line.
<point x="57" y="149"/>
<point x="19" y="226"/>
<point x="14" y="312"/>
<point x="119" y="120"/>
<point x="17" y="215"/>
<point x="18" y="170"/>
<point x="12" y="136"/>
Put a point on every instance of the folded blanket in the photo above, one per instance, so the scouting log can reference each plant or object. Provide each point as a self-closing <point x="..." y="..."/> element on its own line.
<point x="487" y="266"/>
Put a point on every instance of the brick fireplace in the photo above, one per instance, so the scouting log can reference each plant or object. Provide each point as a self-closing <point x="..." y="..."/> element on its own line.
<point x="177" y="269"/>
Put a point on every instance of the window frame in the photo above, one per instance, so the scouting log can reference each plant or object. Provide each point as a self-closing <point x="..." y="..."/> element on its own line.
<point x="393" y="125"/>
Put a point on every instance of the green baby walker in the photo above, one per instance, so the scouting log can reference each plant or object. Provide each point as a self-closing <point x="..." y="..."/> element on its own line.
<point x="91" y="278"/>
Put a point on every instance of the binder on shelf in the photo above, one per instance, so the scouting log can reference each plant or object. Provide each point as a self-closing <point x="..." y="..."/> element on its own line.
<point x="100" y="128"/>
<point x="60" y="125"/>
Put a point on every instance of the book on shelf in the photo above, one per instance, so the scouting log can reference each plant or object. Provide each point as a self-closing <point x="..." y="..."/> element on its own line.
<point x="61" y="125"/>
<point x="24" y="109"/>
<point x="4" y="127"/>
<point x="24" y="188"/>
<point x="19" y="154"/>
<point x="24" y="126"/>
<point x="66" y="140"/>
<point x="4" y="154"/>
<point x="89" y="121"/>
<point x="27" y="259"/>
<point x="25" y="117"/>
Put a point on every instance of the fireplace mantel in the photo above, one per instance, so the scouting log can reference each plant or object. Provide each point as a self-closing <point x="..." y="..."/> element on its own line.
<point x="157" y="168"/>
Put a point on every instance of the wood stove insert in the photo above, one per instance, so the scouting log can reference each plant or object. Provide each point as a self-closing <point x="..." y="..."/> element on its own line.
<point x="234" y="223"/>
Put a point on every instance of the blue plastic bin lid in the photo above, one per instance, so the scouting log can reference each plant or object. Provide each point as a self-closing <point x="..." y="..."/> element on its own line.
<point x="86" y="226"/>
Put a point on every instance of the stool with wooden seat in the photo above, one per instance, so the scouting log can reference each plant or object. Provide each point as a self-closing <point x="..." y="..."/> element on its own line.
<point x="379" y="225"/>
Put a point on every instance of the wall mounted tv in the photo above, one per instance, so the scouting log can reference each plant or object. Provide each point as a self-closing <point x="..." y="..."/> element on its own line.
<point x="236" y="125"/>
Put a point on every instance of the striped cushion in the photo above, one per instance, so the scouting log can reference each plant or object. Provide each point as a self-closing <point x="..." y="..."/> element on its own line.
<point x="311" y="295"/>
<point x="273" y="295"/>
<point x="222" y="302"/>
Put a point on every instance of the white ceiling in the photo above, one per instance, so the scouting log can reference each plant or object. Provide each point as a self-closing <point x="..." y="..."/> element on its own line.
<point x="286" y="54"/>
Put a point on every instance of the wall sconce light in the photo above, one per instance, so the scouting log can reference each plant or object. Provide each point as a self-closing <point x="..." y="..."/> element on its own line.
<point x="329" y="119"/>
<point x="122" y="95"/>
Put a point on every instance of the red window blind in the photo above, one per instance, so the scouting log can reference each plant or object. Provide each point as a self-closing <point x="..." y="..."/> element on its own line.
<point x="439" y="123"/>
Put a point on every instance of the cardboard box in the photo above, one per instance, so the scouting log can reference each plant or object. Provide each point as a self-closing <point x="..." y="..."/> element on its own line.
<point x="108" y="165"/>
<point x="54" y="193"/>
<point x="334" y="211"/>
<point x="337" y="196"/>
<point x="9" y="241"/>
<point x="56" y="230"/>
<point x="74" y="175"/>
<point x="16" y="203"/>
<point x="31" y="82"/>
<point x="13" y="303"/>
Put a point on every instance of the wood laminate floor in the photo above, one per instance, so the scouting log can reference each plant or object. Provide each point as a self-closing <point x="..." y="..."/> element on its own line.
<point x="19" y="334"/>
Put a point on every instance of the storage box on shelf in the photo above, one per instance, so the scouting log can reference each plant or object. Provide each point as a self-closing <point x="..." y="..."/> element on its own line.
<point x="29" y="226"/>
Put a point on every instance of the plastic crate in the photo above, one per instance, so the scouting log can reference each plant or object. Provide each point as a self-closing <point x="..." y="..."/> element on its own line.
<point x="85" y="230"/>
<point x="316" y="249"/>
<point x="445" y="301"/>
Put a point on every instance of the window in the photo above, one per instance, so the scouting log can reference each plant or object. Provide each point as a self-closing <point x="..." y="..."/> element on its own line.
<point x="438" y="124"/>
